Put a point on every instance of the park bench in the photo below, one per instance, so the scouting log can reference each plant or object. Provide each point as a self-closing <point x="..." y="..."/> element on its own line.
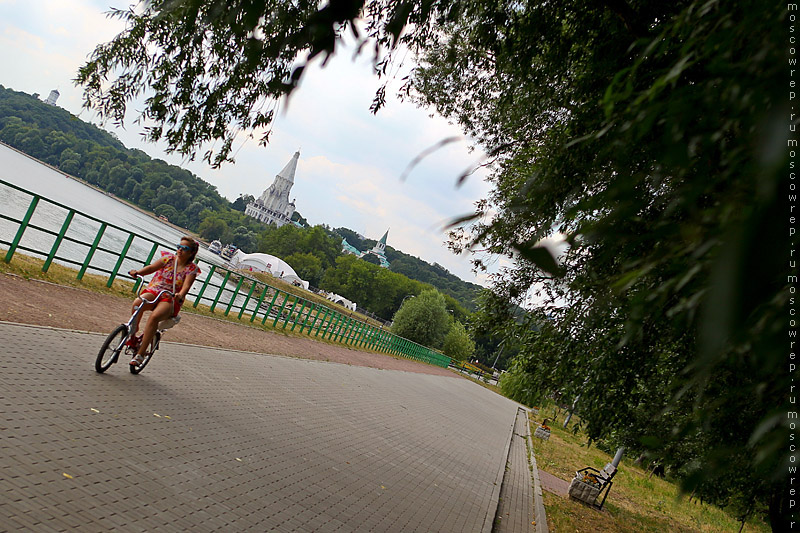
<point x="599" y="482"/>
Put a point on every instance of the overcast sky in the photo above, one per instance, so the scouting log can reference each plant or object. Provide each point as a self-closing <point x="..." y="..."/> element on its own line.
<point x="350" y="160"/>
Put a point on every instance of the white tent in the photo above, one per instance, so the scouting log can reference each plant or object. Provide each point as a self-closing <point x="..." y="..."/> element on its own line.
<point x="341" y="300"/>
<point x="269" y="264"/>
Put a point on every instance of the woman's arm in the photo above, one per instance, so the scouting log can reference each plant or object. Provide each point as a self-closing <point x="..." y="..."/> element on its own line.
<point x="149" y="269"/>
<point x="187" y="284"/>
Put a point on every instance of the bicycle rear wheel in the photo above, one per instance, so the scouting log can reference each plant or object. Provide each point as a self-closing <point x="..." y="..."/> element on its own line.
<point x="135" y="369"/>
<point x="112" y="346"/>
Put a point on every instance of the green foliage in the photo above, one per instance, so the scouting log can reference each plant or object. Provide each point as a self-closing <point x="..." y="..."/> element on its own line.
<point x="258" y="62"/>
<point x="457" y="343"/>
<point x="244" y="239"/>
<point x="371" y="258"/>
<point x="353" y="238"/>
<point x="435" y="275"/>
<point x="61" y="129"/>
<point x="297" y="217"/>
<point x="267" y="46"/>
<point x="166" y="210"/>
<point x="289" y="240"/>
<point x="424" y="319"/>
<point x="640" y="136"/>
<point x="240" y="204"/>
<point x="417" y="269"/>
<point x="213" y="228"/>
<point x="308" y="266"/>
<point x="377" y="289"/>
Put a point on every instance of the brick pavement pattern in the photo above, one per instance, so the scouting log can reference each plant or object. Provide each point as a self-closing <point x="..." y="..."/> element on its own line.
<point x="211" y="440"/>
<point x="515" y="510"/>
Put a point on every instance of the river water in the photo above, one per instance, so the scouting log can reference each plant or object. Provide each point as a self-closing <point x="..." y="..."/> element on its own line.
<point x="35" y="177"/>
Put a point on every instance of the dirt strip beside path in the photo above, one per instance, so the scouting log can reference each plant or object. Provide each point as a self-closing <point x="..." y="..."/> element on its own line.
<point x="46" y="304"/>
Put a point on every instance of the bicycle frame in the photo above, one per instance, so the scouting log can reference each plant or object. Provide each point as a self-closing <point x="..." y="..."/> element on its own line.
<point x="118" y="340"/>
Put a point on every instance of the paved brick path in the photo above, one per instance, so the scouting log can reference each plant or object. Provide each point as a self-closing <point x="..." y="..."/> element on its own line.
<point x="515" y="512"/>
<point x="206" y="439"/>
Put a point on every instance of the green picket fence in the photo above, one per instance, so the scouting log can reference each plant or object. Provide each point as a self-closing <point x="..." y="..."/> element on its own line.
<point x="90" y="244"/>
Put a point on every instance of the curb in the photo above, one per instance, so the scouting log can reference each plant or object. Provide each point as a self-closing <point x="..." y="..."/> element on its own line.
<point x="538" y="501"/>
<point x="494" y="502"/>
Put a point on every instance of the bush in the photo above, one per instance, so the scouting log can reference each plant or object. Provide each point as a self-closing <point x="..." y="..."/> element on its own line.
<point x="424" y="319"/>
<point x="458" y="344"/>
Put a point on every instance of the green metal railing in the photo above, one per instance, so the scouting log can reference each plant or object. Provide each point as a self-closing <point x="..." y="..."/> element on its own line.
<point x="250" y="299"/>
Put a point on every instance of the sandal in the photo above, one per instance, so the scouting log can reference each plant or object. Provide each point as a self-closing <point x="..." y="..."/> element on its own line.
<point x="137" y="360"/>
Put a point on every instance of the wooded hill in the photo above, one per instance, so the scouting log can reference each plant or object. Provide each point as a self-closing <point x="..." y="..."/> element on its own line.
<point x="420" y="270"/>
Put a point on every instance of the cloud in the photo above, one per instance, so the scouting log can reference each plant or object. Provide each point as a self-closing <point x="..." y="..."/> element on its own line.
<point x="13" y="38"/>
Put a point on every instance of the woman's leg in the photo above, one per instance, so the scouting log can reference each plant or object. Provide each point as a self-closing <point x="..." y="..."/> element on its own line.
<point x="162" y="310"/>
<point x="147" y="307"/>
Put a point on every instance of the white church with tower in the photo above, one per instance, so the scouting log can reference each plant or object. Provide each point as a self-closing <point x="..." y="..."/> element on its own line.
<point x="273" y="206"/>
<point x="379" y="250"/>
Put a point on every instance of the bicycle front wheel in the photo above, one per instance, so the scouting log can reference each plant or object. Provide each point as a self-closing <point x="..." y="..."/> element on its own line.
<point x="135" y="369"/>
<point x="111" y="348"/>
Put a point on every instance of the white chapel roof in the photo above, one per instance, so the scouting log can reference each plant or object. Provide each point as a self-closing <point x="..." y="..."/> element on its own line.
<point x="290" y="168"/>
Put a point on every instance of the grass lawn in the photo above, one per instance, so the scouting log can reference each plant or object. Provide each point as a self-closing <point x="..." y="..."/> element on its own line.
<point x="635" y="503"/>
<point x="31" y="268"/>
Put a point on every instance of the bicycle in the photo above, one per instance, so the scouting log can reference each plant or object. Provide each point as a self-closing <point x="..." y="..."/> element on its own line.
<point x="117" y="340"/>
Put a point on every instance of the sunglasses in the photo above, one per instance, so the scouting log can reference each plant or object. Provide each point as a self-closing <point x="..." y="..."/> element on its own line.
<point x="184" y="247"/>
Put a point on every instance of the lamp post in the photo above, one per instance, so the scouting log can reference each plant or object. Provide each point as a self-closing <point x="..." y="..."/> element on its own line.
<point x="618" y="456"/>
<point x="502" y="347"/>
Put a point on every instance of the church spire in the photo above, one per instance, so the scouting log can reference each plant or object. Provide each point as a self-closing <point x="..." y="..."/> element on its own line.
<point x="291" y="167"/>
<point x="273" y="206"/>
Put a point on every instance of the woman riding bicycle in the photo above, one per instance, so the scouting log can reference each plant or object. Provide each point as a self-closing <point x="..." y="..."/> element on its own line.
<point x="164" y="279"/>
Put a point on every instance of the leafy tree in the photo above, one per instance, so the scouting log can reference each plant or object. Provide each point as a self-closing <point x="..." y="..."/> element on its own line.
<point x="360" y="286"/>
<point x="352" y="237"/>
<point x="213" y="228"/>
<point x="424" y="319"/>
<point x="166" y="210"/>
<point x="307" y="266"/>
<point x="128" y="188"/>
<point x="240" y="204"/>
<point x="59" y="128"/>
<point x="69" y="161"/>
<point x="369" y="258"/>
<point x="58" y="141"/>
<point x="175" y="194"/>
<point x="281" y="242"/>
<point x="193" y="213"/>
<point x="322" y="244"/>
<point x="458" y="344"/>
<point x="244" y="238"/>
<point x="31" y="143"/>
<point x="117" y="177"/>
<point x="629" y="133"/>
<point x="297" y="217"/>
<point x="417" y="269"/>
